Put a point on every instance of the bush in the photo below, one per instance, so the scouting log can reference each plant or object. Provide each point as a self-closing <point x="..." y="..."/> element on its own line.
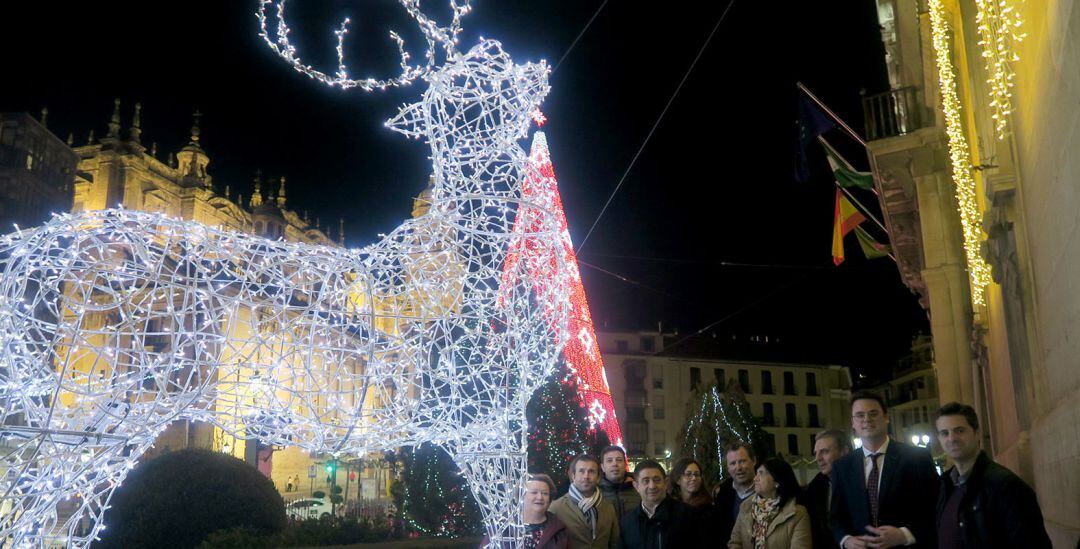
<point x="306" y="533"/>
<point x="179" y="498"/>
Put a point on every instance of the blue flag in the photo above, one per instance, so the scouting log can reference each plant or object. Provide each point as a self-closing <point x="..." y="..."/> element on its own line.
<point x="810" y="124"/>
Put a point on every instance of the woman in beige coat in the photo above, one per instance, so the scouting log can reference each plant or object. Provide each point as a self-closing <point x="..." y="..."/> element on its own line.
<point x="771" y="518"/>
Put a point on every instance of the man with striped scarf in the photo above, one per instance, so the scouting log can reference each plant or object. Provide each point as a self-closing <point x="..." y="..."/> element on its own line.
<point x="590" y="519"/>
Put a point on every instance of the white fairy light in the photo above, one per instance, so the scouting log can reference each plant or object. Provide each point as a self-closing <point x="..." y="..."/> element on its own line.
<point x="959" y="156"/>
<point x="999" y="23"/>
<point x="116" y="323"/>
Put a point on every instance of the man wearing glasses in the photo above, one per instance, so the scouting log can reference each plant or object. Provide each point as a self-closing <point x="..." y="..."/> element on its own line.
<point x="884" y="494"/>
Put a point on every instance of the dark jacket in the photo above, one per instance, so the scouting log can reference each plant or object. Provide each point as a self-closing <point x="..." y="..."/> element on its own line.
<point x="554" y="535"/>
<point x="906" y="497"/>
<point x="726" y="504"/>
<point x="622" y="495"/>
<point x="998" y="509"/>
<point x="817" y="498"/>
<point x="672" y="526"/>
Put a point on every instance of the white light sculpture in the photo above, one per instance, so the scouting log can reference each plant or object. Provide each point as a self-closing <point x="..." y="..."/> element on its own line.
<point x="114" y="324"/>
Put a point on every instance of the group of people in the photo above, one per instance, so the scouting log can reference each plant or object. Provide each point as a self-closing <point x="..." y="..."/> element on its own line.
<point x="884" y="494"/>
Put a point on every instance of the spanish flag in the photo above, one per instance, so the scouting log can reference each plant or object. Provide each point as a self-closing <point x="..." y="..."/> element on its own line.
<point x="847" y="218"/>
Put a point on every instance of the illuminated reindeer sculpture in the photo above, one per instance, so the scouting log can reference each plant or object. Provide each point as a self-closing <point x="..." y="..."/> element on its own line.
<point x="115" y="324"/>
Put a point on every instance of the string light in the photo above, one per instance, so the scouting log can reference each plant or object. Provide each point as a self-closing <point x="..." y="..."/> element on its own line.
<point x="966" y="196"/>
<point x="999" y="25"/>
<point x="115" y="323"/>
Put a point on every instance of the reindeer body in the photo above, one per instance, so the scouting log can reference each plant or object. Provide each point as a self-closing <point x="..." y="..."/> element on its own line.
<point x="114" y="324"/>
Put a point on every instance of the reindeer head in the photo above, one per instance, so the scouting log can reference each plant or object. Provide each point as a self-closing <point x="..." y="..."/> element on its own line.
<point x="476" y="99"/>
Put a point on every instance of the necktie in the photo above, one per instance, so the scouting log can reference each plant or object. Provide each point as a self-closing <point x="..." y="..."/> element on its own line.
<point x="872" y="489"/>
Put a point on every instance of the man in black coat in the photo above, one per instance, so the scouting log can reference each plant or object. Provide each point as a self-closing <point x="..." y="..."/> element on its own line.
<point x="981" y="504"/>
<point x="741" y="462"/>
<point x="615" y="484"/>
<point x="829" y="446"/>
<point x="661" y="521"/>
<point x="884" y="493"/>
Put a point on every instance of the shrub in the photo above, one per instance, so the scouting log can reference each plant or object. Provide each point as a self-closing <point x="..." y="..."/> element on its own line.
<point x="178" y="499"/>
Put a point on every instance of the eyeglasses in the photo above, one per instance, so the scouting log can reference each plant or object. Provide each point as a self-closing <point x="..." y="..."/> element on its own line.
<point x="873" y="414"/>
<point x="691" y="474"/>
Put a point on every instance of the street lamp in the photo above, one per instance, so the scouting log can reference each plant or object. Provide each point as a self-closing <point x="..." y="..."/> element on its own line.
<point x="920" y="440"/>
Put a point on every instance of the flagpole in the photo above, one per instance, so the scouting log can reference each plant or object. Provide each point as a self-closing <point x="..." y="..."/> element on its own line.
<point x="831" y="114"/>
<point x="856" y="137"/>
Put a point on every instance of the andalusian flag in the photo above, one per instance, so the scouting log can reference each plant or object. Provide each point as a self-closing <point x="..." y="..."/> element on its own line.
<point x="871" y="248"/>
<point x="847" y="219"/>
<point x="845" y="175"/>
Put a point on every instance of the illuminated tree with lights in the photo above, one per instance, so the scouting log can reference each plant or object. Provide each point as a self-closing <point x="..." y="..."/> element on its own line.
<point x="715" y="419"/>
<point x="435" y="499"/>
<point x="559" y="428"/>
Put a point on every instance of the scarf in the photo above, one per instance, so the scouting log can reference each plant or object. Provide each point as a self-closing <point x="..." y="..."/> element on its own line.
<point x="764" y="510"/>
<point x="587" y="505"/>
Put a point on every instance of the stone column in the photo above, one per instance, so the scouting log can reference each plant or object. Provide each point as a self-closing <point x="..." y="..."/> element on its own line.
<point x="944" y="273"/>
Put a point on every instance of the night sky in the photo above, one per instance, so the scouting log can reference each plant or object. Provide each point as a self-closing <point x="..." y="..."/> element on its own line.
<point x="709" y="228"/>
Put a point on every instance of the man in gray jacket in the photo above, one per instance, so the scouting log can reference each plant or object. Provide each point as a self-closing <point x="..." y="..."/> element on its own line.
<point x="590" y="519"/>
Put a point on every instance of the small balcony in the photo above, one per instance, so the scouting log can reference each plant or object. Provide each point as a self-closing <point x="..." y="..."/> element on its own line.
<point x="895" y="112"/>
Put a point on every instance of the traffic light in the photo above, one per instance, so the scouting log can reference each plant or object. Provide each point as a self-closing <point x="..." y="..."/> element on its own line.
<point x="331" y="467"/>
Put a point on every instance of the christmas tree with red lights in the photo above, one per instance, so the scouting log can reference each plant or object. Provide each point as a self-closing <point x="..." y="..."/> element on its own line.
<point x="582" y="366"/>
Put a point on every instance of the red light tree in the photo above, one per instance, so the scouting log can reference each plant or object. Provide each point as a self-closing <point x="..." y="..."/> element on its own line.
<point x="583" y="366"/>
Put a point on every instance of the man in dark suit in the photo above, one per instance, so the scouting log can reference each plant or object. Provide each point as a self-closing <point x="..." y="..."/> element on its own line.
<point x="829" y="446"/>
<point x="885" y="493"/>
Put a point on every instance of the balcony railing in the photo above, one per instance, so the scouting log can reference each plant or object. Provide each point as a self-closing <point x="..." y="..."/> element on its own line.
<point x="893" y="113"/>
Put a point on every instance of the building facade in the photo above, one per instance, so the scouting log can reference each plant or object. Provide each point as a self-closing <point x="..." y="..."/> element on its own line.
<point x="912" y="395"/>
<point x="118" y="170"/>
<point x="37" y="171"/>
<point x="973" y="150"/>
<point x="652" y="385"/>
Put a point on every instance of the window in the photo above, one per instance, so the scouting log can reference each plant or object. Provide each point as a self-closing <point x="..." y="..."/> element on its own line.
<point x="811" y="384"/>
<point x="789" y="383"/>
<point x="767" y="416"/>
<point x="813" y="441"/>
<point x="793" y="445"/>
<point x="789" y="411"/>
<point x="635" y="405"/>
<point x="659" y="443"/>
<point x="766" y="383"/>
<point x="814" y="421"/>
<point x="744" y="381"/>
<point x="719" y="375"/>
<point x="770" y="444"/>
<point x="658" y="406"/>
<point x="636" y="434"/>
<point x="658" y="383"/>
<point x="622" y="346"/>
<point x="695" y="378"/>
<point x="647" y="344"/>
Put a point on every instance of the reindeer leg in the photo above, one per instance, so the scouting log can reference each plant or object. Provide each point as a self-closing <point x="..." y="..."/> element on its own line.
<point x="495" y="466"/>
<point x="57" y="487"/>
